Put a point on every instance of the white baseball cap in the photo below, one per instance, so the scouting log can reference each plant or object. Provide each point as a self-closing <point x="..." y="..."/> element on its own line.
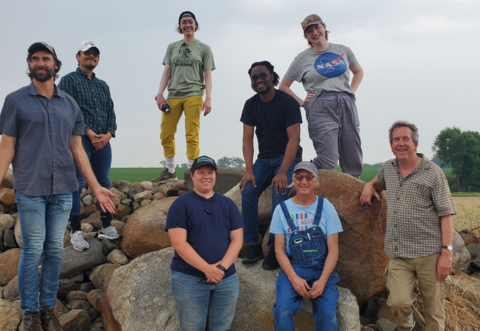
<point x="86" y="45"/>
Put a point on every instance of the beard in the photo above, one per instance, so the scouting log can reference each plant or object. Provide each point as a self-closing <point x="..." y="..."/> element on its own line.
<point x="264" y="91"/>
<point x="90" y="66"/>
<point x="43" y="77"/>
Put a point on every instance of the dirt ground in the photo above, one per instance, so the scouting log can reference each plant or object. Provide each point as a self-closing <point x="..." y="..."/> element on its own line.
<point x="468" y="213"/>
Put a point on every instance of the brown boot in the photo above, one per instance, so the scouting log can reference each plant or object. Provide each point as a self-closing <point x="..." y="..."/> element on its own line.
<point x="49" y="321"/>
<point x="32" y="323"/>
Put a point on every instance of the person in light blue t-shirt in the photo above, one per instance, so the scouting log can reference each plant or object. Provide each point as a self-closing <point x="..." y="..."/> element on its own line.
<point x="306" y="231"/>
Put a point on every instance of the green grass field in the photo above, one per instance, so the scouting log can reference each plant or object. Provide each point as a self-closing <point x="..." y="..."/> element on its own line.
<point x="142" y="174"/>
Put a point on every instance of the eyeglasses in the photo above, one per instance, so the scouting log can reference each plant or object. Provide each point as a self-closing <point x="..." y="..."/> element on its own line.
<point x="300" y="178"/>
<point x="92" y="52"/>
<point x="262" y="76"/>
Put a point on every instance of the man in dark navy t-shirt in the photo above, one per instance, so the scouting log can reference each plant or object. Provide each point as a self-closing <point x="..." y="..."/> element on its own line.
<point x="275" y="117"/>
<point x="206" y="231"/>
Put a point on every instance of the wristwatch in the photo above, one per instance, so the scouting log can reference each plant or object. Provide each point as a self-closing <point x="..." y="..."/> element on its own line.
<point x="449" y="247"/>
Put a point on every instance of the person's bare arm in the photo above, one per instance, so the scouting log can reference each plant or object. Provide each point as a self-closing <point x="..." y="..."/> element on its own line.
<point x="300" y="285"/>
<point x="369" y="190"/>
<point x="207" y="104"/>
<point x="83" y="163"/>
<point x="236" y="243"/>
<point x="178" y="238"/>
<point x="285" y="85"/>
<point x="357" y="72"/>
<point x="163" y="85"/>
<point x="444" y="264"/>
<point x="247" y="146"/>
<point x="330" y="263"/>
<point x="7" y="152"/>
<point x="280" y="180"/>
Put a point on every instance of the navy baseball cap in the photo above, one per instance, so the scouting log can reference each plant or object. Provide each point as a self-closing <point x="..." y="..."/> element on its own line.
<point x="203" y="161"/>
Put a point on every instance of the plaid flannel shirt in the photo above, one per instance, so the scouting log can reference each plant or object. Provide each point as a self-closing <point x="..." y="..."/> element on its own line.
<point x="93" y="98"/>
<point x="414" y="207"/>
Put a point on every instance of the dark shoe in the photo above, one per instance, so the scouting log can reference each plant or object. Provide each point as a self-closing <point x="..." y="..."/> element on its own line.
<point x="270" y="262"/>
<point x="49" y="321"/>
<point x="165" y="176"/>
<point x="32" y="323"/>
<point x="254" y="253"/>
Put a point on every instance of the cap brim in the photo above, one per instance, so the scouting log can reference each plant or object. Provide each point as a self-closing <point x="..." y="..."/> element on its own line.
<point x="38" y="45"/>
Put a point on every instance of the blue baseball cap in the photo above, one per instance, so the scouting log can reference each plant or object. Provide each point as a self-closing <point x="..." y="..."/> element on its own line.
<point x="203" y="161"/>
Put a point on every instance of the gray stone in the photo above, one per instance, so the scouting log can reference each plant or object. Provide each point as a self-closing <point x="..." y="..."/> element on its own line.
<point x="9" y="239"/>
<point x="474" y="251"/>
<point x="385" y="325"/>
<point x="6" y="222"/>
<point x="117" y="256"/>
<point x="78" y="304"/>
<point x="133" y="191"/>
<point x="119" y="194"/>
<point x="107" y="246"/>
<point x="9" y="265"/>
<point x="10" y="316"/>
<point x="145" y="195"/>
<point x="139" y="289"/>
<point x="120" y="184"/>
<point x="127" y="202"/>
<point x="93" y="313"/>
<point x="87" y="200"/>
<point x="75" y="262"/>
<point x="348" y="312"/>
<point x="11" y="292"/>
<point x="227" y="178"/>
<point x="7" y="181"/>
<point x="461" y="256"/>
<point x="147" y="185"/>
<point x="76" y="295"/>
<point x="65" y="286"/>
<point x="86" y="287"/>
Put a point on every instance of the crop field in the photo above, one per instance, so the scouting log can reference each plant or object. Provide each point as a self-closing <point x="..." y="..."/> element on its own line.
<point x="142" y="174"/>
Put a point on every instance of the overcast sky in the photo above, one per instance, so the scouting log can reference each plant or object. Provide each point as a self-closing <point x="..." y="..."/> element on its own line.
<point x="415" y="55"/>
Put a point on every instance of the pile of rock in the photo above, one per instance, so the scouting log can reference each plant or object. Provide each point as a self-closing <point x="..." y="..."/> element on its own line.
<point x="125" y="284"/>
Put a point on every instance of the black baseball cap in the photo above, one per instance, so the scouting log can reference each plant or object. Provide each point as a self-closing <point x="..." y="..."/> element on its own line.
<point x="40" y="45"/>
<point x="203" y="161"/>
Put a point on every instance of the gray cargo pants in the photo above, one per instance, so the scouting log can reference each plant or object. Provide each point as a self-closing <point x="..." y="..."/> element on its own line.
<point x="334" y="128"/>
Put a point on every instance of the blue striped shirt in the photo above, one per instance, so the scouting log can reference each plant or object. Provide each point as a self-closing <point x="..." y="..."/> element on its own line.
<point x="93" y="97"/>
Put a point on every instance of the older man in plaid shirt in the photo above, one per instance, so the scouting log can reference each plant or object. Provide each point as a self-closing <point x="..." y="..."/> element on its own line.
<point x="419" y="229"/>
<point x="93" y="97"/>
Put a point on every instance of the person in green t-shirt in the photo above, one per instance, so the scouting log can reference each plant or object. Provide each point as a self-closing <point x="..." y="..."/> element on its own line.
<point x="188" y="71"/>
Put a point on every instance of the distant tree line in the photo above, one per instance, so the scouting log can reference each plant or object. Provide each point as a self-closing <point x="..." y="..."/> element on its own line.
<point x="230" y="162"/>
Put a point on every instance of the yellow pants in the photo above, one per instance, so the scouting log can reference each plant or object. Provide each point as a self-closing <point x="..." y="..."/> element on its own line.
<point x="192" y="106"/>
<point x="401" y="277"/>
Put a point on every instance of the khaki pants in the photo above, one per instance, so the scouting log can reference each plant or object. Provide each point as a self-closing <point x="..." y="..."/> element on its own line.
<point x="192" y="106"/>
<point x="401" y="277"/>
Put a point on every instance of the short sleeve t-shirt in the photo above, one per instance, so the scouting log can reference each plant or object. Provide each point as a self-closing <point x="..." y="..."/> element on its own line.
<point x="326" y="70"/>
<point x="207" y="233"/>
<point x="187" y="63"/>
<point x="271" y="120"/>
<point x="303" y="217"/>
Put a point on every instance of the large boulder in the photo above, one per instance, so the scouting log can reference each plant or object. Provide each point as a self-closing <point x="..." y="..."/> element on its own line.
<point x="461" y="256"/>
<point x="140" y="297"/>
<point x="362" y="259"/>
<point x="227" y="178"/>
<point x="264" y="204"/>
<point x="145" y="229"/>
<point x="75" y="262"/>
<point x="9" y="265"/>
<point x="10" y="316"/>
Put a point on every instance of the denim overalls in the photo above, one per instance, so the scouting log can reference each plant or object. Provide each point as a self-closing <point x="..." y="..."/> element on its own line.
<point x="307" y="252"/>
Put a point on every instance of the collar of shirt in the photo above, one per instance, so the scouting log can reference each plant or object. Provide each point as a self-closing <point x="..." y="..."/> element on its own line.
<point x="84" y="74"/>
<point x="33" y="91"/>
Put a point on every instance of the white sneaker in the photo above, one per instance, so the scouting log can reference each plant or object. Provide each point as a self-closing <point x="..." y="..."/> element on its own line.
<point x="79" y="243"/>
<point x="109" y="233"/>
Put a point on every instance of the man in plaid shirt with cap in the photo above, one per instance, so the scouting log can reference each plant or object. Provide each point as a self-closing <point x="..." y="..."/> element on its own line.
<point x="419" y="233"/>
<point x="93" y="97"/>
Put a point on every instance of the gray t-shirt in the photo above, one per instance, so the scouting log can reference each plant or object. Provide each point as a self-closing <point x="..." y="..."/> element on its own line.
<point x="323" y="70"/>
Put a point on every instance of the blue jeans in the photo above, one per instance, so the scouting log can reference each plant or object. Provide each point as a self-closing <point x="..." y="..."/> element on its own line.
<point x="264" y="169"/>
<point x="43" y="221"/>
<point x="289" y="302"/>
<point x="100" y="162"/>
<point x="205" y="307"/>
